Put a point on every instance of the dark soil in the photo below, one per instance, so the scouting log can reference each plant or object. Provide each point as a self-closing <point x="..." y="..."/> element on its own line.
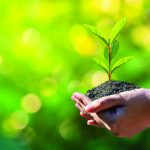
<point x="110" y="88"/>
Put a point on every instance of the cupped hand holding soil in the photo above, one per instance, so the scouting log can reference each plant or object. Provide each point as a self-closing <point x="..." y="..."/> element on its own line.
<point x="124" y="114"/>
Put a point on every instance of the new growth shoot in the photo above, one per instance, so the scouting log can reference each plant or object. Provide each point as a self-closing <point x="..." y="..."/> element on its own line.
<point x="111" y="48"/>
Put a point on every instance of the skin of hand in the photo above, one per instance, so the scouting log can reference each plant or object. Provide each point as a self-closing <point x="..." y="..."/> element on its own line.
<point x="124" y="114"/>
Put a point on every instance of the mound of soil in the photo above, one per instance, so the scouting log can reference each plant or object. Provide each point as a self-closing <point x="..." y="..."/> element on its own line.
<point x="110" y="88"/>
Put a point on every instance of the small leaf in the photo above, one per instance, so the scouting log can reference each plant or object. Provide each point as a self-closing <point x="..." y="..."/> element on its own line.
<point x="106" y="51"/>
<point x="115" y="48"/>
<point x="116" y="29"/>
<point x="100" y="34"/>
<point x="120" y="62"/>
<point x="101" y="64"/>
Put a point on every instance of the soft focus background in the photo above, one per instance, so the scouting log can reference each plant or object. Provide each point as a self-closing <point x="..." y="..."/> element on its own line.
<point x="45" y="55"/>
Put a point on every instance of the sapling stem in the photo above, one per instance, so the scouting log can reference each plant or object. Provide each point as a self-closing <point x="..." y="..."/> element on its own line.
<point x="109" y="62"/>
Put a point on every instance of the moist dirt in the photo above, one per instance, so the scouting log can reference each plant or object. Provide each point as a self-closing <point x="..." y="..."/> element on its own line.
<point x="109" y="88"/>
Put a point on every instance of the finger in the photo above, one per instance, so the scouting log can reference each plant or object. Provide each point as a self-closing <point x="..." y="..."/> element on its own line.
<point x="83" y="113"/>
<point x="93" y="123"/>
<point x="77" y="101"/>
<point x="105" y="103"/>
<point x="80" y="108"/>
<point x="86" y="116"/>
<point x="99" y="121"/>
<point x="82" y="98"/>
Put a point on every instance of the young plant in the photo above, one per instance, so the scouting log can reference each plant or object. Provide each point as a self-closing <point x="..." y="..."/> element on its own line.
<point x="111" y="48"/>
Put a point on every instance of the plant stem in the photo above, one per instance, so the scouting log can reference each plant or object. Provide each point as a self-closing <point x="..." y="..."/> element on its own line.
<point x="109" y="62"/>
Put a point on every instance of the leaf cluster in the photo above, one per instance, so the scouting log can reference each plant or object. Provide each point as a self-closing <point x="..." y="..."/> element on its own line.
<point x="111" y="47"/>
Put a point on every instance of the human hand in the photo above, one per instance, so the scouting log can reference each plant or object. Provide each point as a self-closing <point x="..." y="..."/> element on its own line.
<point x="92" y="118"/>
<point x="125" y="114"/>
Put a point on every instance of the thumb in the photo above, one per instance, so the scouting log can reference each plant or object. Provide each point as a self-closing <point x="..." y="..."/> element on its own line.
<point x="105" y="103"/>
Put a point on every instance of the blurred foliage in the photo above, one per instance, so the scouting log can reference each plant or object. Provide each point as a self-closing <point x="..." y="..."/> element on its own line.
<point x="45" y="55"/>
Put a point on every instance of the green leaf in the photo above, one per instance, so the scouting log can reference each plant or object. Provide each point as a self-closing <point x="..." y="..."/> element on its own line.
<point x="116" y="29"/>
<point x="100" y="34"/>
<point x="120" y="62"/>
<point x="106" y="53"/>
<point x="115" y="48"/>
<point x="101" y="64"/>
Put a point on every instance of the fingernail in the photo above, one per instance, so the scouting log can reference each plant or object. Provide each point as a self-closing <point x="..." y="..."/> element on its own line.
<point x="82" y="114"/>
<point x="76" y="94"/>
<point x="89" y="122"/>
<point x="77" y="105"/>
<point x="72" y="97"/>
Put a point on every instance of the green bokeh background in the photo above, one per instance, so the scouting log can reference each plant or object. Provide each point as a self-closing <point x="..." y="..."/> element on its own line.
<point x="45" y="55"/>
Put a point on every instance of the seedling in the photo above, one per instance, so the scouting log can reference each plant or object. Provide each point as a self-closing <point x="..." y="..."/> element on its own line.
<point x="111" y="48"/>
